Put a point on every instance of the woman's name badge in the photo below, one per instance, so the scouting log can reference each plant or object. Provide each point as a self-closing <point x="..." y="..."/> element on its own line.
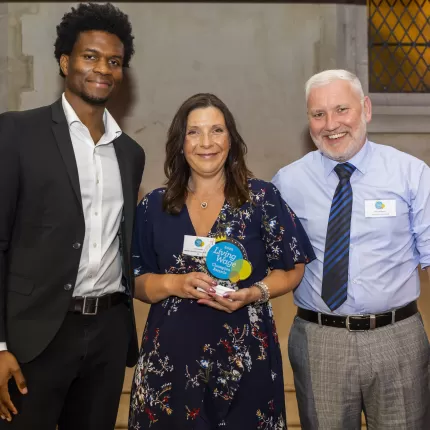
<point x="197" y="246"/>
<point x="227" y="260"/>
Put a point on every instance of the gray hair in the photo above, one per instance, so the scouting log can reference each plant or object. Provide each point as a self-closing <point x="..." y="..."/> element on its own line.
<point x="328" y="76"/>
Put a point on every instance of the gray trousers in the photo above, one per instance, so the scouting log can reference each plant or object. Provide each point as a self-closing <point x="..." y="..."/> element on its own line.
<point x="383" y="372"/>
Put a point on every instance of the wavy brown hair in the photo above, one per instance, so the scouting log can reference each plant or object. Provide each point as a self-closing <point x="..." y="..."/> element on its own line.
<point x="176" y="167"/>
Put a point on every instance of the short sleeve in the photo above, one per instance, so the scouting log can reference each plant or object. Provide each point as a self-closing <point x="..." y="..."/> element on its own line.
<point x="285" y="239"/>
<point x="420" y="212"/>
<point x="144" y="259"/>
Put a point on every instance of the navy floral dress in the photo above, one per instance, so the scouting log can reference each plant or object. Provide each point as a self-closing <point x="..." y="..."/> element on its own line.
<point x="201" y="368"/>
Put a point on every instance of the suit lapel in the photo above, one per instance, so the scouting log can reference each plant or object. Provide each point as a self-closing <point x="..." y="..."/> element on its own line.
<point x="129" y="205"/>
<point x="61" y="132"/>
<point x="127" y="185"/>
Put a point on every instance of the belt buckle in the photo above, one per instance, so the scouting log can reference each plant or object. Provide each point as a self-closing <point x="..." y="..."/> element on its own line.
<point x="348" y="323"/>
<point x="84" y="308"/>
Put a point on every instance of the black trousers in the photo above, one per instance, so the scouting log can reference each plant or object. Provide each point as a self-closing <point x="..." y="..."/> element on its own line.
<point x="76" y="382"/>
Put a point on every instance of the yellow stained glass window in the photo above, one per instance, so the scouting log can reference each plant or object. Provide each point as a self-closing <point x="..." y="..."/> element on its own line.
<point x="399" y="46"/>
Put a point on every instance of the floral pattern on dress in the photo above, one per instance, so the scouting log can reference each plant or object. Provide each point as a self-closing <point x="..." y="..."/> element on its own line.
<point x="268" y="422"/>
<point x="146" y="398"/>
<point x="191" y="352"/>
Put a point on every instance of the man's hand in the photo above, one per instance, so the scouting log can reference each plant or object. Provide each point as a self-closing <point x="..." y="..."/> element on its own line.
<point x="9" y="368"/>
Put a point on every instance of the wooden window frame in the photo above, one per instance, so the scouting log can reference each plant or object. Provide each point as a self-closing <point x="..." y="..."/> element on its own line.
<point x="392" y="112"/>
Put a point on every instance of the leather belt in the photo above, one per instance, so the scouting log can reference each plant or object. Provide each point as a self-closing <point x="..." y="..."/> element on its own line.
<point x="359" y="322"/>
<point x="92" y="305"/>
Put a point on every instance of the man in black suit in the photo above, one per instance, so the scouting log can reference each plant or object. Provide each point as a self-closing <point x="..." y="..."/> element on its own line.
<point x="69" y="180"/>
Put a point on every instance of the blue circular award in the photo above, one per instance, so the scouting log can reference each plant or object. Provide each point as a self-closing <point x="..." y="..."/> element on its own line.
<point x="226" y="259"/>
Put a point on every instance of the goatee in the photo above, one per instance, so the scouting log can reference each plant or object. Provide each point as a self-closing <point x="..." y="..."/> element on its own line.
<point x="92" y="100"/>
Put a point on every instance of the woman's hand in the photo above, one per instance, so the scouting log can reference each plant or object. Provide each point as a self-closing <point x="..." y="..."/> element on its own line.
<point x="152" y="288"/>
<point x="231" y="302"/>
<point x="278" y="281"/>
<point x="185" y="286"/>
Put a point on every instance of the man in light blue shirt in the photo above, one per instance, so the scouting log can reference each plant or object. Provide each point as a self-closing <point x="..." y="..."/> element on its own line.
<point x="358" y="342"/>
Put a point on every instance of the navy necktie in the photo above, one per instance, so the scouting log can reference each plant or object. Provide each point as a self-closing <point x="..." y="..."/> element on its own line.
<point x="336" y="254"/>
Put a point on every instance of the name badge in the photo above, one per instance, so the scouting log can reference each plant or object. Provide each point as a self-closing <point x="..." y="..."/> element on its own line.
<point x="197" y="246"/>
<point x="379" y="208"/>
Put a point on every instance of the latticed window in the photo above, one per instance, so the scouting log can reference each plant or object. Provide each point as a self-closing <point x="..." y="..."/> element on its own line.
<point x="399" y="46"/>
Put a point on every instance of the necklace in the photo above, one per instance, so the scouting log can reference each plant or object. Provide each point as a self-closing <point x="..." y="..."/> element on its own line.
<point x="203" y="203"/>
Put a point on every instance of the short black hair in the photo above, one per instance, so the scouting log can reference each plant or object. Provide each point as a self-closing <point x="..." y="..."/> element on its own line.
<point x="93" y="17"/>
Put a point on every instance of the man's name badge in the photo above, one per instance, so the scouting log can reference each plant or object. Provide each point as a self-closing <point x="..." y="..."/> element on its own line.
<point x="379" y="208"/>
<point x="197" y="246"/>
<point x="227" y="260"/>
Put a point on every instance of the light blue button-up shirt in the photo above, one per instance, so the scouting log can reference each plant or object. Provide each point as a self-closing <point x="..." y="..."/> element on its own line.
<point x="384" y="251"/>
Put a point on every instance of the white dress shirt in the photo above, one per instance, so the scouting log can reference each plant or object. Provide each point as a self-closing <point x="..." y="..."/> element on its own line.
<point x="385" y="250"/>
<point x="100" y="269"/>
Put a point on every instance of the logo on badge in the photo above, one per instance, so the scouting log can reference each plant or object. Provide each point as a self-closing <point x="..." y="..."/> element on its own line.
<point x="199" y="243"/>
<point x="379" y="205"/>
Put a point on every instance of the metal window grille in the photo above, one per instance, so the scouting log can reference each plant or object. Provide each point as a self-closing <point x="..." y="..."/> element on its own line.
<point x="398" y="46"/>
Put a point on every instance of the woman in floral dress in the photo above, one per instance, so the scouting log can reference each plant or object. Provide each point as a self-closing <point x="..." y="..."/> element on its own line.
<point x="207" y="360"/>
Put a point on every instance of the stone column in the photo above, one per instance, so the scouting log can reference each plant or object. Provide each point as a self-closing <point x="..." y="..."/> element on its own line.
<point x="3" y="56"/>
<point x="19" y="65"/>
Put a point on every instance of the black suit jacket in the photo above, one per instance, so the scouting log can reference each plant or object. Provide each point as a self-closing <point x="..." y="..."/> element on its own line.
<point x="42" y="223"/>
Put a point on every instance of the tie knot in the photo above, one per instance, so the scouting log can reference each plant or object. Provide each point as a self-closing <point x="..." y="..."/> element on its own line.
<point x="344" y="171"/>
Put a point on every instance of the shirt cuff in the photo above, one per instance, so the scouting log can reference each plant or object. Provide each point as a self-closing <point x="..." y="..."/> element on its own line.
<point x="3" y="346"/>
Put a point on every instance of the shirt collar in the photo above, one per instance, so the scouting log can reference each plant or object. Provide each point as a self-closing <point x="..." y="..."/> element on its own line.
<point x="360" y="160"/>
<point x="112" y="129"/>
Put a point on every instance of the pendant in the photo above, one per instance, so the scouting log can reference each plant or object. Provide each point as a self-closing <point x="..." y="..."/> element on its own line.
<point x="204" y="205"/>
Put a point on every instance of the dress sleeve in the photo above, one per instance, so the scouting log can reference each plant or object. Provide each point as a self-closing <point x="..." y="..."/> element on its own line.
<point x="285" y="239"/>
<point x="144" y="259"/>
